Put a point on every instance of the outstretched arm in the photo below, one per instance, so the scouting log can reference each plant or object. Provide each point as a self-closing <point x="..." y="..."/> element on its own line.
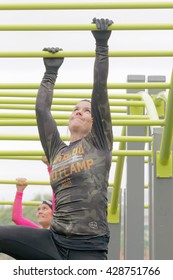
<point x="102" y="126"/>
<point x="17" y="213"/>
<point x="46" y="124"/>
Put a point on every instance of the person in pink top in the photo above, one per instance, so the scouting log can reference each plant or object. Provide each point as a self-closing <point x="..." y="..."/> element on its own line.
<point x="44" y="210"/>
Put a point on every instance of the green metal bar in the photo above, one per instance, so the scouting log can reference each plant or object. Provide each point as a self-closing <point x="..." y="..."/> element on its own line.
<point x="33" y="116"/>
<point x="81" y="27"/>
<point x="35" y="203"/>
<point x="28" y="122"/>
<point x="14" y="182"/>
<point x="66" y="116"/>
<point x="166" y="141"/>
<point x="53" y="108"/>
<point x="21" y="157"/>
<point x="66" y="138"/>
<point x="139" y="122"/>
<point x="24" y="137"/>
<point x="71" y="102"/>
<point x="111" y="184"/>
<point x="32" y="107"/>
<point x="118" y="177"/>
<point x="68" y="95"/>
<point x="114" y="159"/>
<point x="85" y="5"/>
<point x="31" y="203"/>
<point x="87" y="54"/>
<point x="41" y="153"/>
<point x="19" y="137"/>
<point x="21" y="153"/>
<point x="132" y="153"/>
<point x="131" y="139"/>
<point x="88" y="86"/>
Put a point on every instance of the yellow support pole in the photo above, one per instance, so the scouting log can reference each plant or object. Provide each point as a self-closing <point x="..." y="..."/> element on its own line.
<point x="113" y="215"/>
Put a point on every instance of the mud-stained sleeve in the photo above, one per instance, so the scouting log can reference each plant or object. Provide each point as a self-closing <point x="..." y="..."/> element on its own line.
<point x="102" y="127"/>
<point x="49" y="135"/>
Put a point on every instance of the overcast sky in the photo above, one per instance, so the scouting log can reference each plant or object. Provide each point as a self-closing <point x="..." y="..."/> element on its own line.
<point x="29" y="70"/>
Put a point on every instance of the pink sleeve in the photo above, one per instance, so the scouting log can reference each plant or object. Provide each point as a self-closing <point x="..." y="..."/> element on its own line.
<point x="17" y="215"/>
<point x="48" y="169"/>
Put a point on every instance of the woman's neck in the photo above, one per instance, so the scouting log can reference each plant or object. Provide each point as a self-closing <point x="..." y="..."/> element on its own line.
<point x="76" y="136"/>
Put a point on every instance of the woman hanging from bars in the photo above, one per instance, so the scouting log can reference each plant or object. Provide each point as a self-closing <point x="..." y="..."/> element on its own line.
<point x="79" y="171"/>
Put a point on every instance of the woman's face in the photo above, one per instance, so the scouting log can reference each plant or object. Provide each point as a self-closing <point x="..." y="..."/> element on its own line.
<point x="44" y="215"/>
<point x="80" y="119"/>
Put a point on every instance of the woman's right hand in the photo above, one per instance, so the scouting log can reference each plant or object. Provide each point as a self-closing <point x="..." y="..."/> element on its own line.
<point x="52" y="64"/>
<point x="102" y="34"/>
<point x="21" y="184"/>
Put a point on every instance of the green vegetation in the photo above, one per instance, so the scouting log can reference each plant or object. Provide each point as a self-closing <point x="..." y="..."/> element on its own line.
<point x="6" y="211"/>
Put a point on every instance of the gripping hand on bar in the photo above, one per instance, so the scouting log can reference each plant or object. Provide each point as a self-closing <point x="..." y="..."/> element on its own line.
<point x="102" y="34"/>
<point x="52" y="64"/>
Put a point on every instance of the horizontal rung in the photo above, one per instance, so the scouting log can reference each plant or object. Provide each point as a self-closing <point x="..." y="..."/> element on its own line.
<point x="85" y="5"/>
<point x="57" y="117"/>
<point x="88" y="86"/>
<point x="70" y="102"/>
<point x="35" y="203"/>
<point x="21" y="157"/>
<point x="132" y="139"/>
<point x="66" y="138"/>
<point x="68" y="95"/>
<point x="112" y="184"/>
<point x="41" y="183"/>
<point x="34" y="183"/>
<point x="29" y="122"/>
<point x="41" y="153"/>
<point x="86" y="54"/>
<point x="14" y="182"/>
<point x="26" y="94"/>
<point x="114" y="159"/>
<point x="132" y="153"/>
<point x="53" y="108"/>
<point x="30" y="203"/>
<point x="83" y="27"/>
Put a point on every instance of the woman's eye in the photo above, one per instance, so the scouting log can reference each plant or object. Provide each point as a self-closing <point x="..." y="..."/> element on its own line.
<point x="88" y="111"/>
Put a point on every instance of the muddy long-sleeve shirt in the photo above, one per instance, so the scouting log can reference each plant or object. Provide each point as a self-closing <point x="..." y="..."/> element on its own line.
<point x="80" y="170"/>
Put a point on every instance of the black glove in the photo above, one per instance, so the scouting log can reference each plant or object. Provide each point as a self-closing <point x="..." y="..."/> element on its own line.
<point x="52" y="64"/>
<point x="103" y="34"/>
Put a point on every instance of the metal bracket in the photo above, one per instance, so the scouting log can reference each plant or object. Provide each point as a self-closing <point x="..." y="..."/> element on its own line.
<point x="113" y="218"/>
<point x="163" y="171"/>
